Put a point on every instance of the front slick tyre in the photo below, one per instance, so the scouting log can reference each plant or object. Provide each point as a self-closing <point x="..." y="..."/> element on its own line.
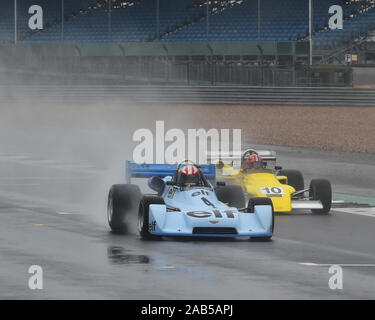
<point x="122" y="199"/>
<point x="320" y="189"/>
<point x="143" y="216"/>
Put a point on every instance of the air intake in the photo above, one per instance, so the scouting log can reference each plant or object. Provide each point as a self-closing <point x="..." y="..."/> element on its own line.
<point x="209" y="230"/>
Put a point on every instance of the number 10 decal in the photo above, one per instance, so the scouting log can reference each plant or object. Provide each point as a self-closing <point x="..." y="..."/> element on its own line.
<point x="272" y="191"/>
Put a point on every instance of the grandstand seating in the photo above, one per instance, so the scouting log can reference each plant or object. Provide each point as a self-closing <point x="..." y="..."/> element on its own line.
<point x="281" y="21"/>
<point x="6" y="21"/>
<point x="183" y="20"/>
<point x="52" y="16"/>
<point x="353" y="28"/>
<point x="130" y="24"/>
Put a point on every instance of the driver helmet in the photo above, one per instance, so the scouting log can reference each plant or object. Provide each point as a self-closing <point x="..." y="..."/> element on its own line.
<point x="189" y="174"/>
<point x="252" y="161"/>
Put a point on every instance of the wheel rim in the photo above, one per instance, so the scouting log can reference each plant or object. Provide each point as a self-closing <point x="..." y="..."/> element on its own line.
<point x="140" y="219"/>
<point x="110" y="209"/>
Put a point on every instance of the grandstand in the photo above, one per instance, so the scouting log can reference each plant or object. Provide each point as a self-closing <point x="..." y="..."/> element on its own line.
<point x="359" y="21"/>
<point x="205" y="40"/>
<point x="186" y="20"/>
<point x="52" y="11"/>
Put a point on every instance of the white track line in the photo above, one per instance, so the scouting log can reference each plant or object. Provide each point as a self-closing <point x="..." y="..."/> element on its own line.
<point x="65" y="213"/>
<point x="368" y="212"/>
<point x="311" y="264"/>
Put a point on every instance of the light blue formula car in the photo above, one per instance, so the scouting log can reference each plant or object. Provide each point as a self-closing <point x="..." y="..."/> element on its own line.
<point x="188" y="203"/>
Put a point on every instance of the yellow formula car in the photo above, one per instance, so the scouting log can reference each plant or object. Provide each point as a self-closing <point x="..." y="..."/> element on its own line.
<point x="258" y="176"/>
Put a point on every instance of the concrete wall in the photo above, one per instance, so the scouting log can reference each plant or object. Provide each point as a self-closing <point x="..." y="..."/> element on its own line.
<point x="364" y="77"/>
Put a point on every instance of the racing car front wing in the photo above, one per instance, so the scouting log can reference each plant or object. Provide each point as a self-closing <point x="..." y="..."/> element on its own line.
<point x="232" y="223"/>
<point x="307" y="204"/>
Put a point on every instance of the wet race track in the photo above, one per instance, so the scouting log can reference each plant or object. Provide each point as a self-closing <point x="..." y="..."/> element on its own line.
<point x="55" y="172"/>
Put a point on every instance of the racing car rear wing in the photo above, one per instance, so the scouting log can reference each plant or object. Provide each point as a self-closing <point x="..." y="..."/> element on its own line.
<point x="234" y="159"/>
<point x="135" y="170"/>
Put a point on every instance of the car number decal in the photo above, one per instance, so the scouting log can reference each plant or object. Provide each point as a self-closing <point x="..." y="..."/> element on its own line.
<point x="208" y="202"/>
<point x="273" y="191"/>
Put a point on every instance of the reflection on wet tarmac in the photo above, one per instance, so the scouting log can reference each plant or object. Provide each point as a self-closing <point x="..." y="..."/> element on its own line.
<point x="119" y="255"/>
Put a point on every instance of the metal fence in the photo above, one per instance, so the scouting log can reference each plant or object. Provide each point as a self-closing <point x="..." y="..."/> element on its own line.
<point x="230" y="95"/>
<point x="137" y="70"/>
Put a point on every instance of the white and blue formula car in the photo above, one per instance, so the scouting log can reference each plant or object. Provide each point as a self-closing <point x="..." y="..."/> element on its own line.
<point x="188" y="202"/>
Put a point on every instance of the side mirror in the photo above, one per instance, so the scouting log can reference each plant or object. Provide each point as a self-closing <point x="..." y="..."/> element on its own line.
<point x="157" y="184"/>
<point x="277" y="168"/>
<point x="282" y="179"/>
